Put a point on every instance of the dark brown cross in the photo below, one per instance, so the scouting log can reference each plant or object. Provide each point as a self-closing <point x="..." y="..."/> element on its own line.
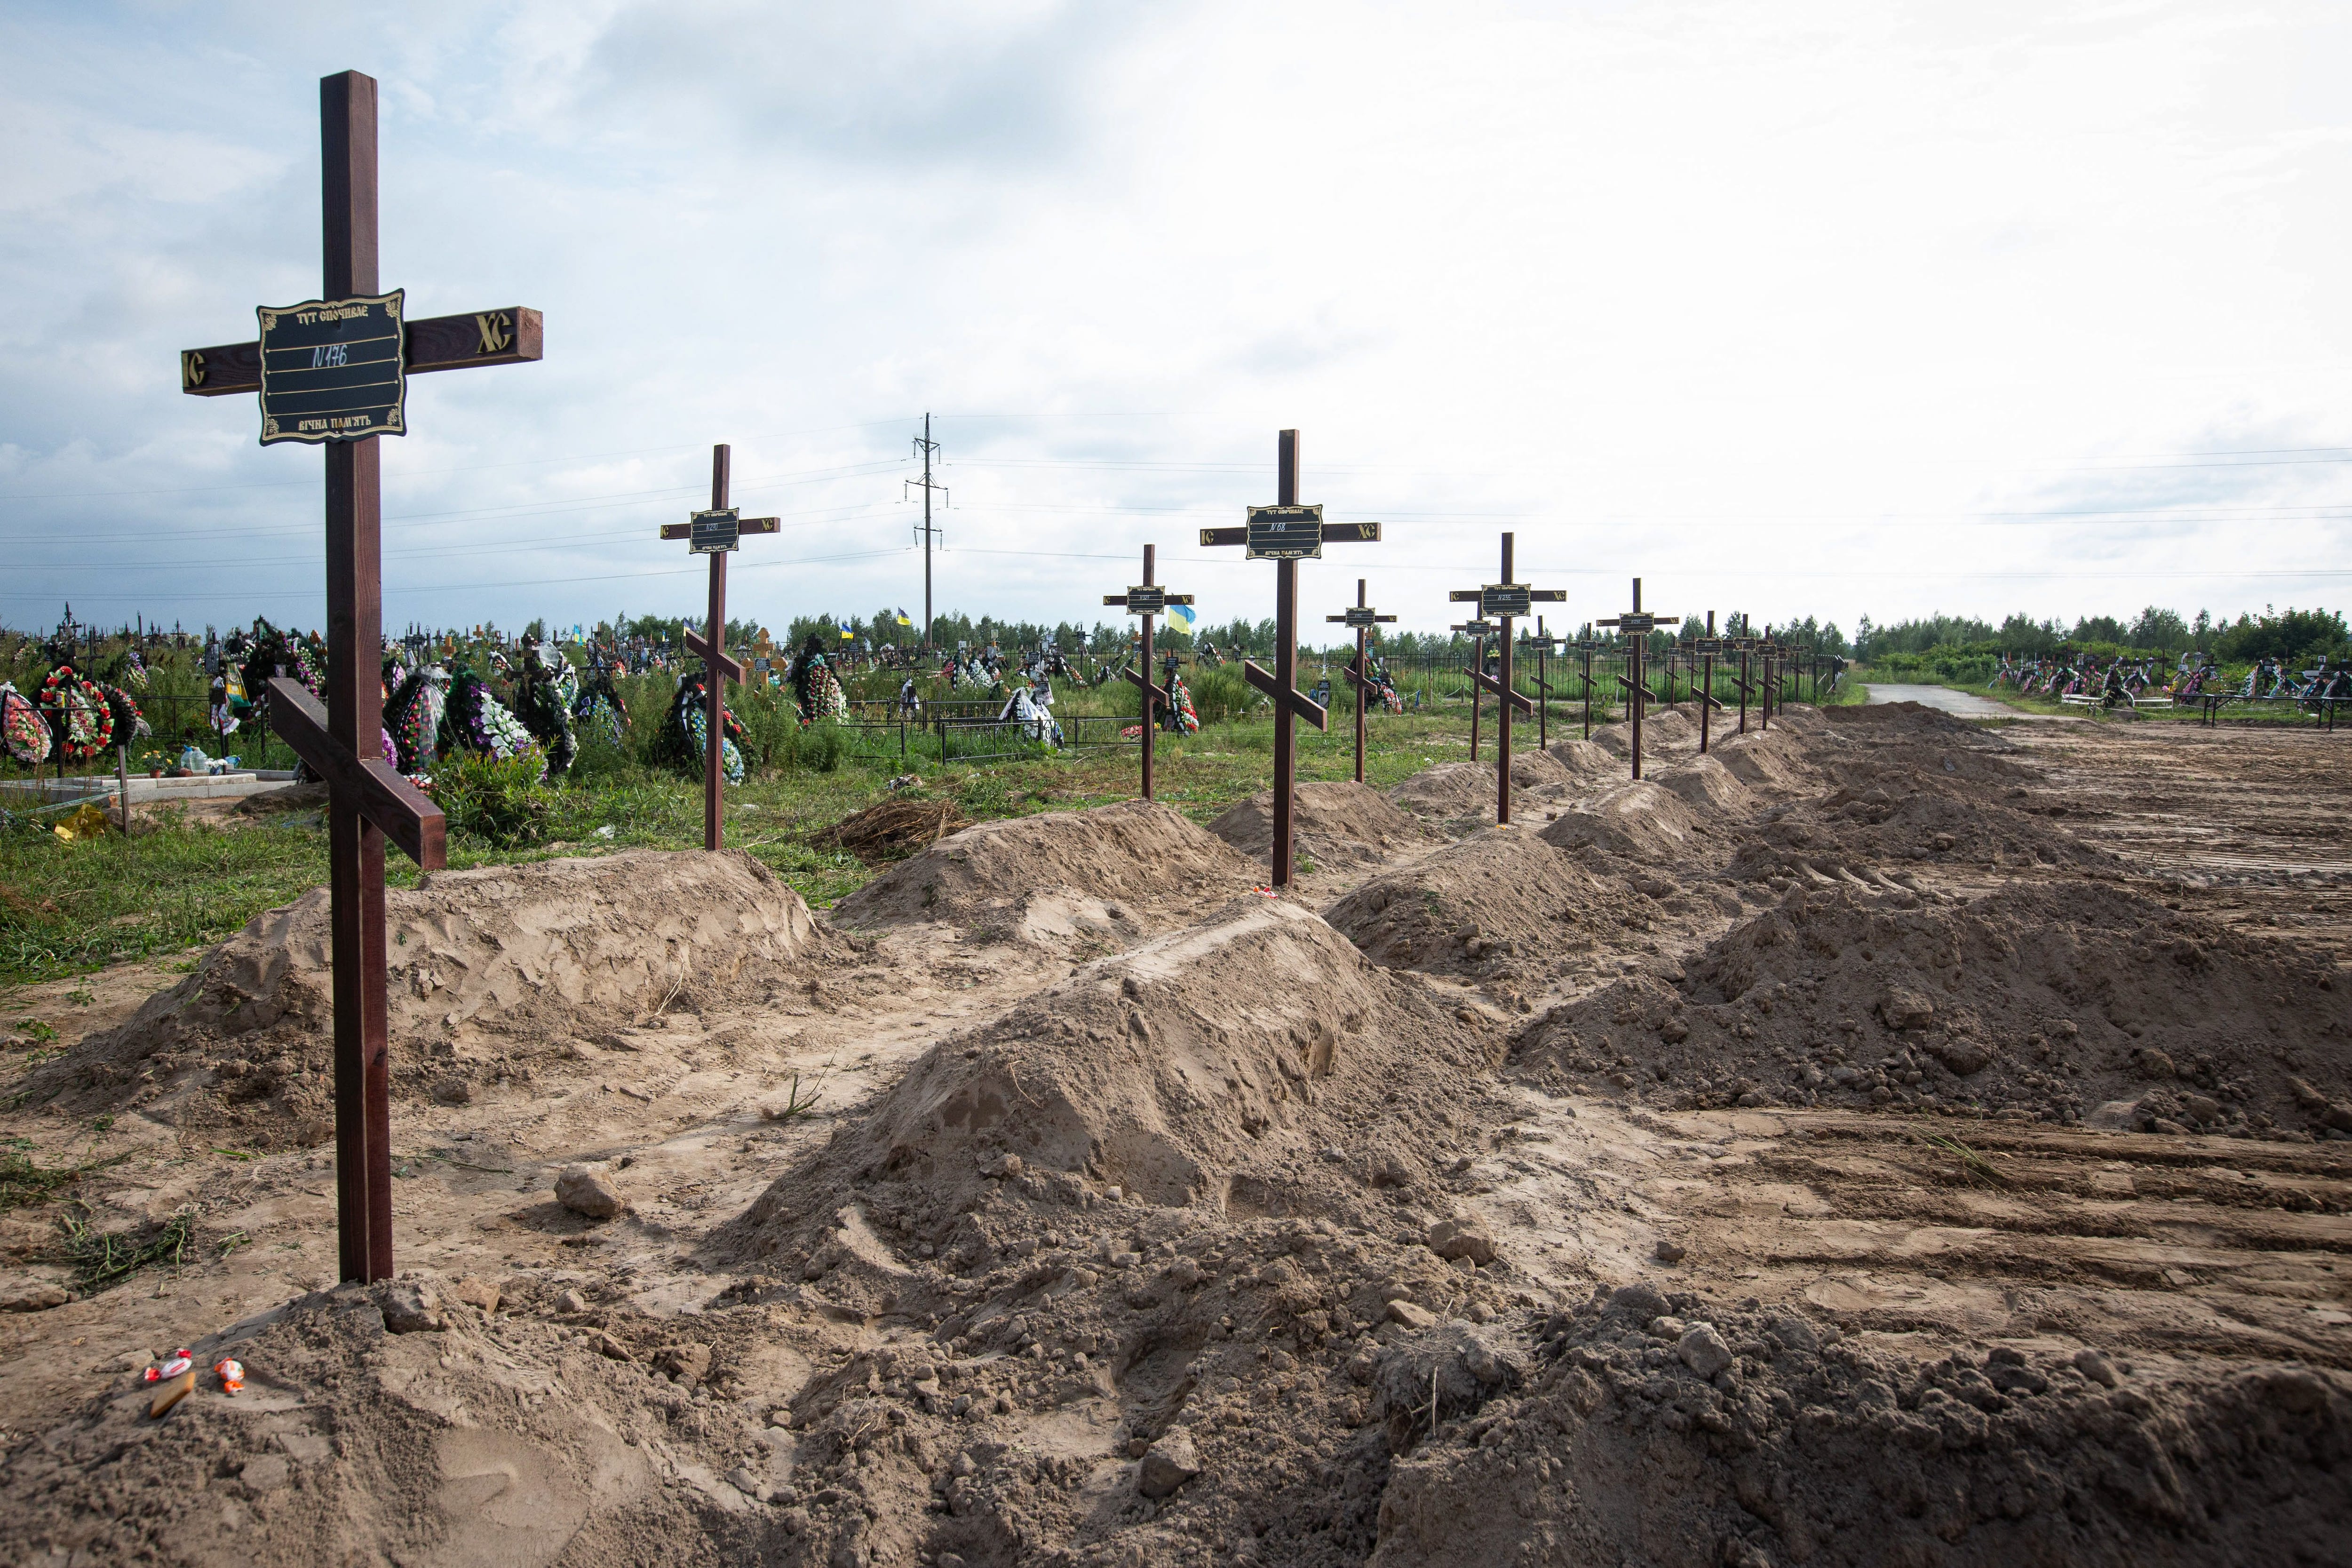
<point x="1504" y="602"/>
<point x="1286" y="534"/>
<point x="1363" y="617"/>
<point x="1635" y="628"/>
<point x="1704" y="649"/>
<point x="1745" y="646"/>
<point x="1771" y="649"/>
<point x="1586" y="647"/>
<point x="715" y="533"/>
<point x="333" y="371"/>
<point x="1148" y="599"/>
<point x="1478" y="632"/>
<point x="1544" y="646"/>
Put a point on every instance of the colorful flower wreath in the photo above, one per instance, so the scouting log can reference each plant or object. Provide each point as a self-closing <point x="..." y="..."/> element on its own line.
<point x="21" y="729"/>
<point x="78" y="714"/>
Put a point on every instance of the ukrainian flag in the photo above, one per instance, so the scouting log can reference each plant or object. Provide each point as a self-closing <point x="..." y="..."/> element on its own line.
<point x="1181" y="615"/>
<point x="903" y="620"/>
<point x="847" y="634"/>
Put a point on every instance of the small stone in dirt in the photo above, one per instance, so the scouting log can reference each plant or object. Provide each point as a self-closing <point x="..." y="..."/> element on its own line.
<point x="744" y="1481"/>
<point x="452" y="1091"/>
<point x="408" y="1306"/>
<point x="2095" y="1367"/>
<point x="583" y="1191"/>
<point x="1167" y="1465"/>
<point x="1673" y="1030"/>
<point x="605" y="1345"/>
<point x="1466" y="1237"/>
<point x="1405" y="1314"/>
<point x="1903" y="1008"/>
<point x="2152" y="1064"/>
<point x="476" y="1293"/>
<point x="687" y="1363"/>
<point x="1670" y="1251"/>
<point x="1010" y="1165"/>
<point x="36" y="1298"/>
<point x="570" y="1301"/>
<point x="1961" y="1057"/>
<point x="1703" y="1349"/>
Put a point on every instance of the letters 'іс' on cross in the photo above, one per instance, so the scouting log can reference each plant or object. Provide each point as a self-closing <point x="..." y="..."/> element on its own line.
<point x="1704" y="649"/>
<point x="1633" y="628"/>
<point x="1504" y="603"/>
<point x="1148" y="599"/>
<point x="333" y="371"/>
<point x="716" y="533"/>
<point x="1286" y="534"/>
<point x="1362" y="618"/>
<point x="1478" y="632"/>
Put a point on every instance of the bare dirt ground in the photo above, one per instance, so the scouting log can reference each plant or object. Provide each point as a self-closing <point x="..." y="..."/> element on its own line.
<point x="1886" y="1141"/>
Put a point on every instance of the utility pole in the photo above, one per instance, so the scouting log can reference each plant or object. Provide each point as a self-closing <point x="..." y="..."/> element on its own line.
<point x="926" y="448"/>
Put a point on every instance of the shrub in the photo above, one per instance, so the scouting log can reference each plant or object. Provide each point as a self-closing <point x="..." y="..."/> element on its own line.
<point x="502" y="801"/>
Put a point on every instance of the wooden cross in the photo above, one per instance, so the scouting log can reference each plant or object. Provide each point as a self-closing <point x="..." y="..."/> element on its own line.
<point x="1148" y="599"/>
<point x="333" y="373"/>
<point x="1772" y="648"/>
<point x="1362" y="618"/>
<point x="1745" y="646"/>
<point x="1636" y="626"/>
<point x="715" y="533"/>
<point x="1286" y="534"/>
<point x="1706" y="647"/>
<point x="1586" y="647"/>
<point x="1478" y="631"/>
<point x="1544" y="646"/>
<point x="1504" y="602"/>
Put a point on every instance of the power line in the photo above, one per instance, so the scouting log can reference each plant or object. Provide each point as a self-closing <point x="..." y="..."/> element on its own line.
<point x="927" y="449"/>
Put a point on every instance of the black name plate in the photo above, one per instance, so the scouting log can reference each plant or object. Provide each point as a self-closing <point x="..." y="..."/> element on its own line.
<point x="1636" y="625"/>
<point x="1476" y="628"/>
<point x="1359" y="615"/>
<point x="1146" y="601"/>
<point x="1497" y="600"/>
<point x="1286" y="532"/>
<point x="715" y="532"/>
<point x="332" y="370"/>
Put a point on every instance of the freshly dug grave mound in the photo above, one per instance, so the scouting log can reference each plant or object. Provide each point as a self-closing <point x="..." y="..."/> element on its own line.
<point x="1663" y="730"/>
<point x="1339" y="823"/>
<point x="1674" y="1429"/>
<point x="1902" y="720"/>
<point x="1501" y="903"/>
<point x="463" y="1439"/>
<point x="489" y="971"/>
<point x="1452" y="791"/>
<point x="1645" y="821"/>
<point x="1170" y="1071"/>
<point x="2062" y="1004"/>
<point x="1870" y="825"/>
<point x="1707" y="787"/>
<point x="1109" y="873"/>
<point x="1586" y="762"/>
<point x="1774" y="764"/>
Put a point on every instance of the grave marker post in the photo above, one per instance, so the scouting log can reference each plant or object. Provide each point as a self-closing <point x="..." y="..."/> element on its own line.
<point x="1706" y="647"/>
<point x="1148" y="599"/>
<point x="1286" y="534"/>
<point x="1636" y="626"/>
<point x="716" y="533"/>
<point x="1503" y="602"/>
<point x="1478" y="632"/>
<point x="1362" y="618"/>
<point x="333" y="373"/>
<point x="1543" y="644"/>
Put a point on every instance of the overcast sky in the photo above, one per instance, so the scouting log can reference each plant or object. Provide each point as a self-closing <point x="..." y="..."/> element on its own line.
<point x="1798" y="307"/>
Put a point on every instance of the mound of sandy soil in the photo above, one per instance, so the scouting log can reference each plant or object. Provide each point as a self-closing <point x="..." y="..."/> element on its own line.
<point x="1585" y="761"/>
<point x="1104" y="876"/>
<point x="1337" y="824"/>
<point x="1644" y="821"/>
<point x="465" y="1438"/>
<point x="489" y="970"/>
<point x="2064" y="1003"/>
<point x="1503" y="900"/>
<point x="1660" y="1428"/>
<point x="1779" y="763"/>
<point x="1449" y="791"/>
<point x="1663" y="730"/>
<point x="1870" y="826"/>
<point x="1707" y="787"/>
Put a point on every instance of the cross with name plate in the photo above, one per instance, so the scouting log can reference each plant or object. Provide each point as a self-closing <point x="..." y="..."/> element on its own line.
<point x="1478" y="631"/>
<point x="1635" y="628"/>
<point x="333" y="373"/>
<point x="1361" y="617"/>
<point x="1503" y="602"/>
<point x="1150" y="600"/>
<point x="1286" y="534"/>
<point x="1704" y="648"/>
<point x="716" y="533"/>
